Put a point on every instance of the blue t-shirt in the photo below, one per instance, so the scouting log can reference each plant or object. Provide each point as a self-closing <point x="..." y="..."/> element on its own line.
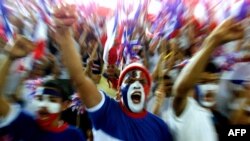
<point x="110" y="118"/>
<point x="25" y="128"/>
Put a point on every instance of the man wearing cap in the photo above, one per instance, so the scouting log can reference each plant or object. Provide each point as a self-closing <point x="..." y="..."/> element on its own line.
<point x="126" y="119"/>
<point x="48" y="103"/>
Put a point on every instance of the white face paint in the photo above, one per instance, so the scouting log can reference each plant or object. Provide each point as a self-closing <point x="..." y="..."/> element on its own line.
<point x="207" y="104"/>
<point x="136" y="90"/>
<point x="208" y="87"/>
<point x="204" y="90"/>
<point x="133" y="90"/>
<point x="44" y="101"/>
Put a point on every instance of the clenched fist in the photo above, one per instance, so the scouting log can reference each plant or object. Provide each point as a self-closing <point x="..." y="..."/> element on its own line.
<point x="21" y="48"/>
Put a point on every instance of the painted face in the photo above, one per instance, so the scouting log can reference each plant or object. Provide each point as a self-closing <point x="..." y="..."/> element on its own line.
<point x="207" y="93"/>
<point x="134" y="89"/>
<point x="47" y="101"/>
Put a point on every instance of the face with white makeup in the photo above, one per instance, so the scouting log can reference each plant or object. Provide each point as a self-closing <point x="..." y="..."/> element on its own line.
<point x="134" y="87"/>
<point x="48" y="103"/>
<point x="208" y="89"/>
<point x="207" y="94"/>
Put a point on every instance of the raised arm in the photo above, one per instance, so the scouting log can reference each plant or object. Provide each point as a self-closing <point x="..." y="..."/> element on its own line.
<point x="4" y="68"/>
<point x="21" y="48"/>
<point x="157" y="72"/>
<point x="228" y="31"/>
<point x="71" y="58"/>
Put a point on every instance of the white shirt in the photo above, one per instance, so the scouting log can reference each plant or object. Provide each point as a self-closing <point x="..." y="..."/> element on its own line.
<point x="151" y="102"/>
<point x="194" y="124"/>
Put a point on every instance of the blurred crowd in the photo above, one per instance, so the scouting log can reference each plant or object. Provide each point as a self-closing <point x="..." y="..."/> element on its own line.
<point x="200" y="77"/>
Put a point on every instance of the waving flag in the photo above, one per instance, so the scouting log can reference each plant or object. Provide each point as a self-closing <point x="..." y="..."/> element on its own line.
<point x="45" y="15"/>
<point x="5" y="22"/>
<point x="239" y="10"/>
<point x="200" y="13"/>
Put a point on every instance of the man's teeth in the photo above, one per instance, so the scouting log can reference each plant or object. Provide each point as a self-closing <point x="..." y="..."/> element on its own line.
<point x="137" y="94"/>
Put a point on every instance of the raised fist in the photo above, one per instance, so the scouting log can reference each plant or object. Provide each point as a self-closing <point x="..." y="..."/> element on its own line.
<point x="21" y="48"/>
<point x="227" y="31"/>
<point x="65" y="15"/>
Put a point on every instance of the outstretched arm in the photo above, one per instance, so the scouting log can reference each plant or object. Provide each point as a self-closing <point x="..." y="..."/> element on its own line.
<point x="86" y="88"/>
<point x="228" y="31"/>
<point x="4" y="68"/>
<point x="21" y="48"/>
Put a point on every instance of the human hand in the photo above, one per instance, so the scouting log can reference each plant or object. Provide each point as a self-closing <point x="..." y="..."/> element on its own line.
<point x="227" y="31"/>
<point x="64" y="17"/>
<point x="21" y="48"/>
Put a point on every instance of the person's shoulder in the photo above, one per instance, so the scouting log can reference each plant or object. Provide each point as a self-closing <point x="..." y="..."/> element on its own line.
<point x="108" y="98"/>
<point x="26" y="115"/>
<point x="155" y="119"/>
<point x="164" y="130"/>
<point x="16" y="115"/>
<point x="27" y="119"/>
<point x="106" y="106"/>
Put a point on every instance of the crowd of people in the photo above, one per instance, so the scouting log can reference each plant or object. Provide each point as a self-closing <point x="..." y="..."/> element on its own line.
<point x="152" y="90"/>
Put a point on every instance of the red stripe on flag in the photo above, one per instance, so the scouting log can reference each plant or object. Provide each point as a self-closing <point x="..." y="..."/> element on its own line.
<point x="39" y="51"/>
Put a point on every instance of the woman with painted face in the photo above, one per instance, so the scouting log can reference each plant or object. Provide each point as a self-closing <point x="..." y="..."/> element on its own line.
<point x="49" y="101"/>
<point x="124" y="120"/>
<point x="188" y="120"/>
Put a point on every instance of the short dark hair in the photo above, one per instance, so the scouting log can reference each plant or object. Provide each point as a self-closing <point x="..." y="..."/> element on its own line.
<point x="56" y="84"/>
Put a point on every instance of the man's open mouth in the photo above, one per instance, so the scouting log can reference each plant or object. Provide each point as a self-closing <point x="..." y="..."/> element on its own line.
<point x="43" y="114"/>
<point x="136" y="97"/>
